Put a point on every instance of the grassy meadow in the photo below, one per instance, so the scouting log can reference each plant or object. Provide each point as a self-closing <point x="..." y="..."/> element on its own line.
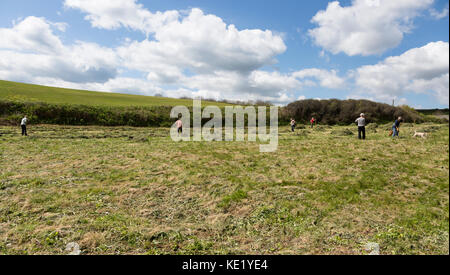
<point x="124" y="190"/>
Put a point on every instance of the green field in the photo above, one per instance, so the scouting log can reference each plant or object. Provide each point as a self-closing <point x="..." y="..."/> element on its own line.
<point x="20" y="92"/>
<point x="124" y="190"/>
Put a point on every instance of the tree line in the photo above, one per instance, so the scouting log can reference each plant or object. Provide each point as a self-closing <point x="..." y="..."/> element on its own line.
<point x="344" y="112"/>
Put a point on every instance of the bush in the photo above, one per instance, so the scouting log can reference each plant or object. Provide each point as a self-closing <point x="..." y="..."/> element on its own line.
<point x="344" y="112"/>
<point x="42" y="113"/>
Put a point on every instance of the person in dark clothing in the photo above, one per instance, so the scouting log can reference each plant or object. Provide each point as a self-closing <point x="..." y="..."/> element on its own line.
<point x="361" y="126"/>
<point x="396" y="127"/>
<point x="23" y="125"/>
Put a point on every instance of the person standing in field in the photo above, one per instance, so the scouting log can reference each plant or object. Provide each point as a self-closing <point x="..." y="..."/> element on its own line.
<point x="313" y="121"/>
<point x="396" y="126"/>
<point x="293" y="124"/>
<point x="23" y="125"/>
<point x="179" y="124"/>
<point x="361" y="126"/>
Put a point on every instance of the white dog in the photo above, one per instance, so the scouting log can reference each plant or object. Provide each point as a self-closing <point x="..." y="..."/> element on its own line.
<point x="422" y="135"/>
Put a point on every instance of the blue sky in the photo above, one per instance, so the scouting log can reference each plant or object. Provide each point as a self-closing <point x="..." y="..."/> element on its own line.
<point x="371" y="49"/>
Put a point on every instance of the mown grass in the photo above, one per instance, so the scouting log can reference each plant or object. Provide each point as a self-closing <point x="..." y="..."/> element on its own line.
<point x="21" y="92"/>
<point x="124" y="190"/>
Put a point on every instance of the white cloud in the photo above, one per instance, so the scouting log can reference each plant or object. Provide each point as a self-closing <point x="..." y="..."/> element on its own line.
<point x="31" y="34"/>
<point x="27" y="66"/>
<point x="272" y="81"/>
<point x="419" y="70"/>
<point x="327" y="79"/>
<point x="196" y="41"/>
<point x="113" y="14"/>
<point x="366" y="27"/>
<point x="439" y="15"/>
<point x="203" y="44"/>
<point x="269" y="86"/>
<point x="196" y="52"/>
<point x="203" y="56"/>
<point x="30" y="50"/>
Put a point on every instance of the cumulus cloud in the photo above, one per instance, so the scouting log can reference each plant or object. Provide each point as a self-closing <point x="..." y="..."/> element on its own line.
<point x="27" y="66"/>
<point x="272" y="81"/>
<point x="419" y="70"/>
<point x="366" y="27"/>
<point x="197" y="52"/>
<point x="113" y="14"/>
<point x="269" y="86"/>
<point x="32" y="34"/>
<point x="30" y="50"/>
<point x="203" y="44"/>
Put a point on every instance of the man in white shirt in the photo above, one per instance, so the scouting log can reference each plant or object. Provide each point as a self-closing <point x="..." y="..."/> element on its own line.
<point x="293" y="124"/>
<point x="23" y="124"/>
<point x="361" y="126"/>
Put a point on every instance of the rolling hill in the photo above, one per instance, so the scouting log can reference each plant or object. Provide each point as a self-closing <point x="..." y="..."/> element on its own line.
<point x="21" y="92"/>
